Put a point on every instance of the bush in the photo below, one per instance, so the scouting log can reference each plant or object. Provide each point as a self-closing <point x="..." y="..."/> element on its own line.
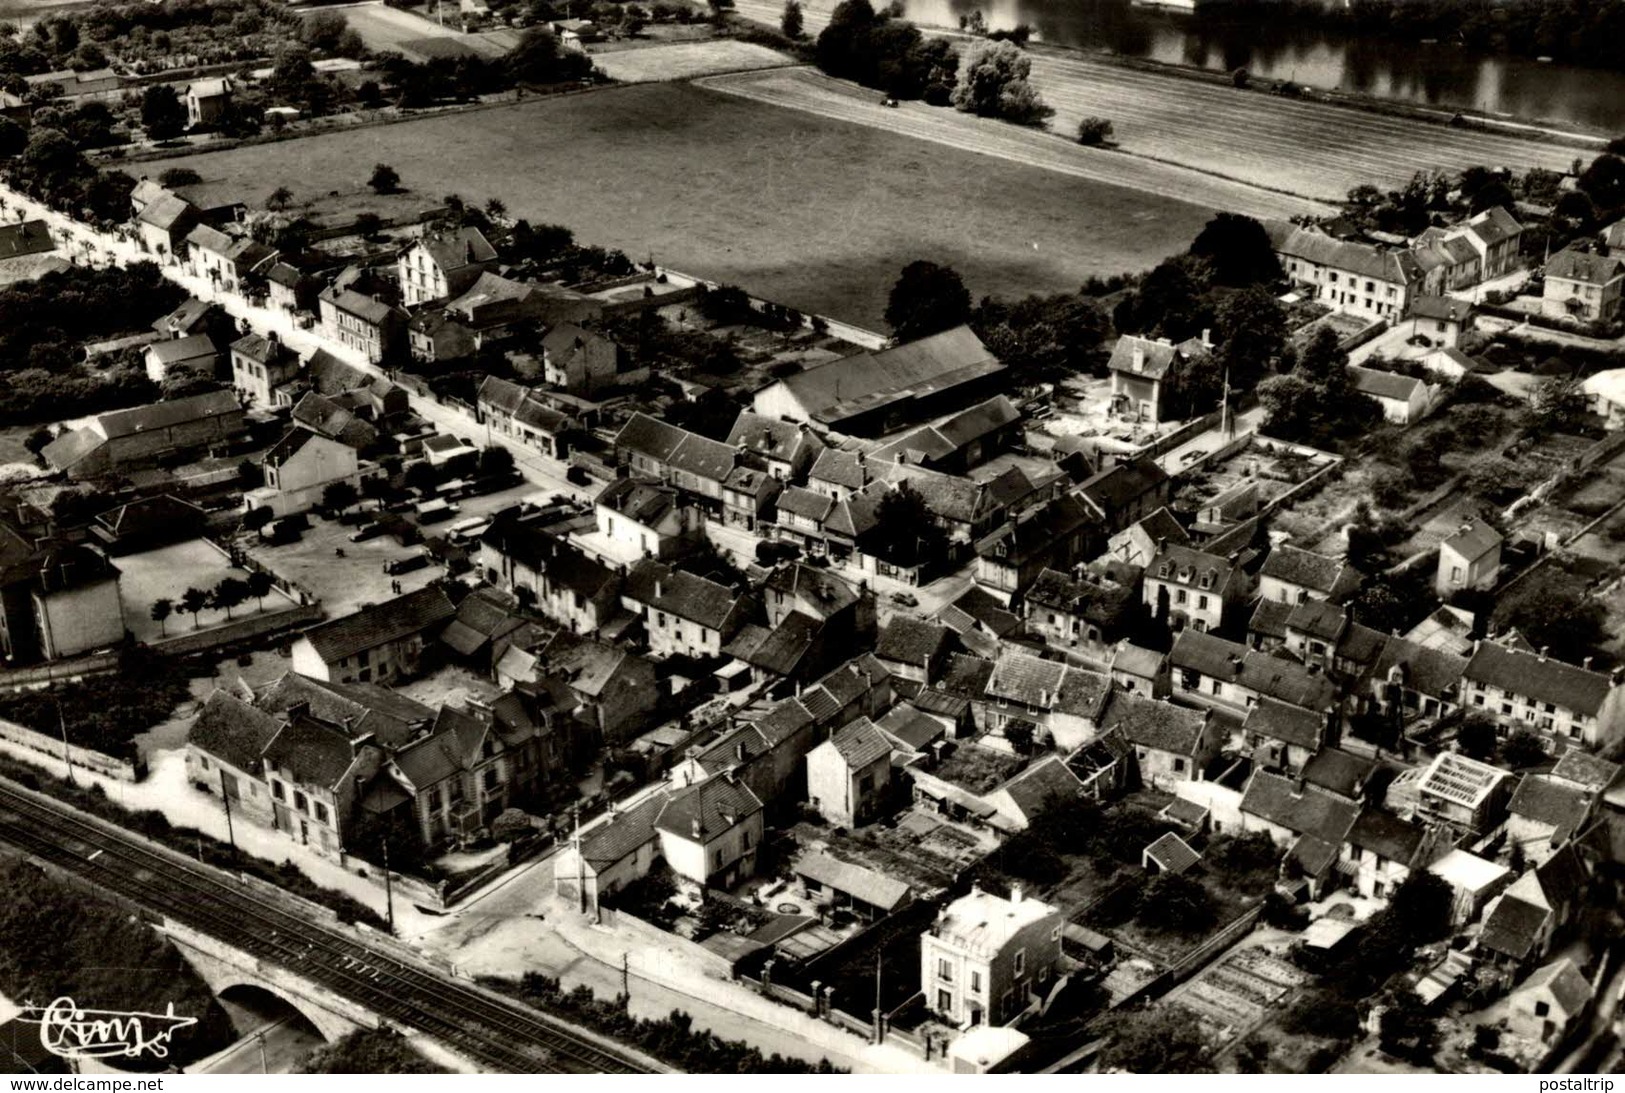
<point x="1177" y="904"/>
<point x="103" y="713"/>
<point x="1093" y="131"/>
<point x="1323" y="1014"/>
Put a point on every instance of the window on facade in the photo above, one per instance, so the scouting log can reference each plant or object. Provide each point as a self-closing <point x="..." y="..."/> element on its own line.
<point x="945" y="971"/>
<point x="321" y="812"/>
<point x="1542" y="1009"/>
<point x="1179" y="766"/>
<point x="716" y="859"/>
<point x="945" y="1001"/>
<point x="299" y="801"/>
<point x="1455" y="573"/>
<point x="1020" y="962"/>
<point x="278" y="791"/>
<point x="1180" y="596"/>
<point x="1216" y="686"/>
<point x="491" y="780"/>
<point x="1201" y="602"/>
<point x="1506" y="709"/>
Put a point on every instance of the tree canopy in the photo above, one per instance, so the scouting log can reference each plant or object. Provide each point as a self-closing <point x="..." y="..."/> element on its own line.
<point x="1165" y="1039"/>
<point x="926" y="299"/>
<point x="880" y="50"/>
<point x="993" y="84"/>
<point x="1238" y="251"/>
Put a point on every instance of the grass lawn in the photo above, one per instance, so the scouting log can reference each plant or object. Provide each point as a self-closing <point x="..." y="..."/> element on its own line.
<point x="810" y="212"/>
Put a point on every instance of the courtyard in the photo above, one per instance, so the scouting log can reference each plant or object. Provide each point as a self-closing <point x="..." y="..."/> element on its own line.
<point x="167" y="573"/>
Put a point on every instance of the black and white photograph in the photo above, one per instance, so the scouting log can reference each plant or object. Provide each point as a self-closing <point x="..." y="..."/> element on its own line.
<point x="811" y="537"/>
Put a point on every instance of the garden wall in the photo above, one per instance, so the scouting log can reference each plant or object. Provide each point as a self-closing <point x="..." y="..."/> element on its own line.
<point x="98" y="664"/>
<point x="857" y="335"/>
<point x="52" y="746"/>
<point x="238" y="630"/>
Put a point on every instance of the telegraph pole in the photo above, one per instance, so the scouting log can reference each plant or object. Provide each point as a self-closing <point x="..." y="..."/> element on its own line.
<point x="389" y="889"/>
<point x="62" y="726"/>
<point x="626" y="977"/>
<point x="225" y="796"/>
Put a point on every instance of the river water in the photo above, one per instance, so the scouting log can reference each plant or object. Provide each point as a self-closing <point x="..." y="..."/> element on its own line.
<point x="1409" y="71"/>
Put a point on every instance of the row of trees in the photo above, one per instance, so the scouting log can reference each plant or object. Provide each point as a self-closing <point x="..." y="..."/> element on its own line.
<point x="230" y="594"/>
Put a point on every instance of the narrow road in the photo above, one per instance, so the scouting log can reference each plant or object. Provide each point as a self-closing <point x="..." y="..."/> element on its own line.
<point x="88" y="245"/>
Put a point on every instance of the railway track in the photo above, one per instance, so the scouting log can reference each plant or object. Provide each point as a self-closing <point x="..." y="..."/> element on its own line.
<point x="494" y="1032"/>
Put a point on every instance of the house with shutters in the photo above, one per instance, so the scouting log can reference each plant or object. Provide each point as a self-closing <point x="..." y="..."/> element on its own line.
<point x="1382" y="851"/>
<point x="1191" y="588"/>
<point x="441" y="265"/>
<point x="363" y="324"/>
<point x="381" y="643"/>
<point x="1583" y="284"/>
<point x="259" y="365"/>
<point x="1563" y="704"/>
<point x="687" y="461"/>
<point x="1284" y="737"/>
<point x="225" y="749"/>
<point x="681" y="612"/>
<point x="641" y="519"/>
<point x="986" y="959"/>
<point x="1063" y="704"/>
<point x="1371" y="280"/>
<point x="510" y="409"/>
<point x="314" y="769"/>
<point x="1126" y="493"/>
<point x="1057" y="535"/>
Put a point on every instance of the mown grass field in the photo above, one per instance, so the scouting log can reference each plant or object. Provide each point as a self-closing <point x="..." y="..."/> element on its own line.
<point x="811" y="212"/>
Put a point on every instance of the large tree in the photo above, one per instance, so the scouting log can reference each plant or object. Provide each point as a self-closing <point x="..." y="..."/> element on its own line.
<point x="1238" y="250"/>
<point x="993" y="84"/>
<point x="1251" y="329"/>
<point x="905" y="532"/>
<point x="163" y="115"/>
<point x="926" y="299"/>
<point x="1047" y="335"/>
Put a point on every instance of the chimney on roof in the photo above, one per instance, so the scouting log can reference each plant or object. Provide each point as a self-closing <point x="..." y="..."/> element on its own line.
<point x="1544" y="649"/>
<point x="697" y="828"/>
<point x="1015" y="893"/>
<point x="1586" y="663"/>
<point x="660" y="588"/>
<point x="1207" y="337"/>
<point x="740" y="751"/>
<point x="1297" y="786"/>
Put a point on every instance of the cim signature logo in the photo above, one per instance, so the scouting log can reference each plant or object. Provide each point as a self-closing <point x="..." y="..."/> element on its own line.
<point x="69" y="1032"/>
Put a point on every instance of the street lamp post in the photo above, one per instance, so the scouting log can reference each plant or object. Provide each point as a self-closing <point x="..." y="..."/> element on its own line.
<point x="62" y="726"/>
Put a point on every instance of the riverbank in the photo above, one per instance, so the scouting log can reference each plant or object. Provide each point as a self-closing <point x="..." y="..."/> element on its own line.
<point x="1466" y="117"/>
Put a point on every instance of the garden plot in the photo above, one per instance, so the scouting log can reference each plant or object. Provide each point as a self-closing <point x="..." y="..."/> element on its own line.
<point x="1239" y="990"/>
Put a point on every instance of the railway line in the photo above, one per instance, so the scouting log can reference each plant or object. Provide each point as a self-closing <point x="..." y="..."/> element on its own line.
<point x="492" y="1031"/>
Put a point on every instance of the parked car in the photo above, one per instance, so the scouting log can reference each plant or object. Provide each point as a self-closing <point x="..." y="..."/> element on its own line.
<point x="905" y="599"/>
<point x="406" y="564"/>
<point x="369" y="531"/>
<point x="432" y="512"/>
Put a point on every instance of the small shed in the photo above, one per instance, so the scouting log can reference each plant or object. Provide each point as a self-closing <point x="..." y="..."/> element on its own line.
<point x="1169" y="854"/>
<point x="1080" y="942"/>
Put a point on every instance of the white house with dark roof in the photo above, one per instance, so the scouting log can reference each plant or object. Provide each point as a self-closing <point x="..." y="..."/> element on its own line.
<point x="1469" y="558"/>
<point x="1140" y="369"/>
<point x="513" y="410"/>
<point x="986" y="959"/>
<point x="443" y="264"/>
<point x="190" y="358"/>
<point x="1405" y="400"/>
<point x="1381" y="851"/>
<point x="259" y="365"/>
<point x="1563" y="704"/>
<point x="849" y="775"/>
<point x="1312" y="824"/>
<point x="1282" y="736"/>
<point x="1583" y="284"/>
<point x="681" y="612"/>
<point x="710" y="833"/>
<point x="1522" y="924"/>
<point x="1205" y="669"/>
<point x="1440" y="319"/>
<point x="1294" y="575"/>
<point x="377" y="644"/>
<point x="298" y="469"/>
<point x="1064" y="703"/>
<point x="1365" y="279"/>
<point x="639" y="519"/>
<point x="207" y="101"/>
<point x="1544" y="1007"/>
<point x="224" y="754"/>
<point x="1545" y="813"/>
<point x="1189" y="587"/>
<point x="786" y="449"/>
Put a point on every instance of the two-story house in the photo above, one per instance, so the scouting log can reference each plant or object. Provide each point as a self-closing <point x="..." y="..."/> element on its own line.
<point x="1565" y="705"/>
<point x="787" y="449"/>
<point x="565" y="584"/>
<point x="513" y="410"/>
<point x="259" y="365"/>
<point x="377" y="644"/>
<point x="986" y="958"/>
<point x="313" y="768"/>
<point x="1283" y="737"/>
<point x="1189" y="587"/>
<point x="1382" y="850"/>
<point x="1583" y="284"/>
<point x="1087" y="614"/>
<point x="1142" y="371"/>
<point x="443" y="264"/>
<point x="849" y="775"/>
<point x="681" y="612"/>
<point x="711" y="833"/>
<point x="1171" y="744"/>
<point x="640" y="519"/>
<point x="363" y="324"/>
<point x="1294" y="575"/>
<point x="1057" y="535"/>
<point x="299" y="468"/>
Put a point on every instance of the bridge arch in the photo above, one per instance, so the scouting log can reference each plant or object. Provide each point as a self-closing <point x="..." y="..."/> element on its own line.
<point x="330" y="1026"/>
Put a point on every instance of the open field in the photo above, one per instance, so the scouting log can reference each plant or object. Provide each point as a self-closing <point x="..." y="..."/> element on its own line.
<point x="387" y="28"/>
<point x="1311" y="149"/>
<point x="810" y="90"/>
<point x="810" y="212"/>
<point x="685" y="60"/>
